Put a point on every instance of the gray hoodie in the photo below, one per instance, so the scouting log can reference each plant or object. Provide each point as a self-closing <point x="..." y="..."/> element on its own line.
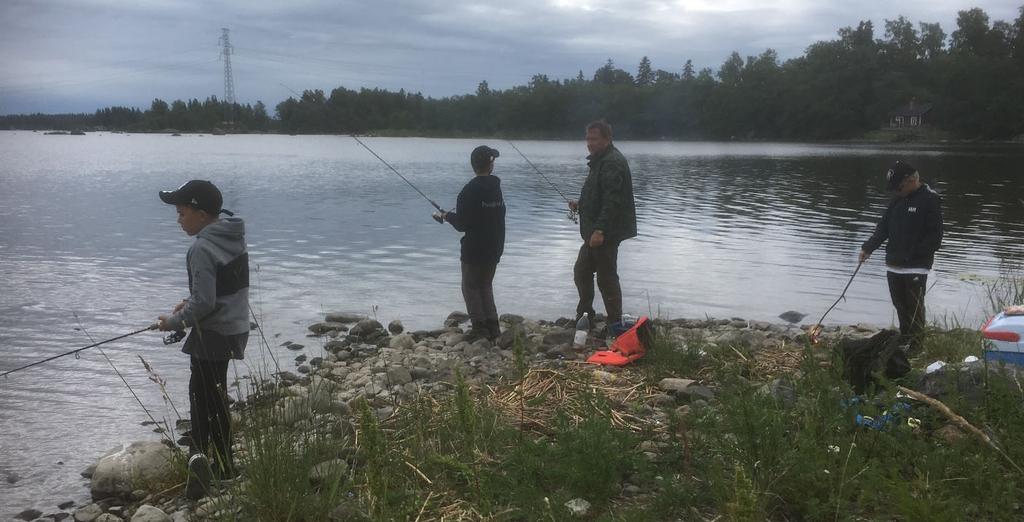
<point x="218" y="280"/>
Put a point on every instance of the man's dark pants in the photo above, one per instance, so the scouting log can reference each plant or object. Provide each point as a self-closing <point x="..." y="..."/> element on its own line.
<point x="477" y="290"/>
<point x="603" y="261"/>
<point x="211" y="421"/>
<point x="907" y="292"/>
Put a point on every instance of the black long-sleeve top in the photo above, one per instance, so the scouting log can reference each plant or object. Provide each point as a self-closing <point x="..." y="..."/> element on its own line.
<point x="480" y="213"/>
<point x="912" y="225"/>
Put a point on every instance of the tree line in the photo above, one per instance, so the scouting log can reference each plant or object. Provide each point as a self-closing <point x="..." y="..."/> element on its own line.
<point x="840" y="88"/>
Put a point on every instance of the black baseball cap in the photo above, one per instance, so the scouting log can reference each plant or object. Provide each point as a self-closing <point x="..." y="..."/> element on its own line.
<point x="197" y="193"/>
<point x="482" y="157"/>
<point x="897" y="173"/>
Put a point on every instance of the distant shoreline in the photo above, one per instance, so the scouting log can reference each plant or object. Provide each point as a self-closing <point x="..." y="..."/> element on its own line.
<point x="871" y="138"/>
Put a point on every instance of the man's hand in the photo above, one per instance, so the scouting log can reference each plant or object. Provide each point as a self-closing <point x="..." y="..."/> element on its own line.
<point x="162" y="325"/>
<point x="864" y="255"/>
<point x="179" y="306"/>
<point x="574" y="205"/>
<point x="596" y="239"/>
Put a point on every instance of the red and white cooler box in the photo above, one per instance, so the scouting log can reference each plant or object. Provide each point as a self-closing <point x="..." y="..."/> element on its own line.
<point x="1003" y="335"/>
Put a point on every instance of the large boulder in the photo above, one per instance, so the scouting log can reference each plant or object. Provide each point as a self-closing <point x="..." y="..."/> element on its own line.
<point x="367" y="328"/>
<point x="144" y="465"/>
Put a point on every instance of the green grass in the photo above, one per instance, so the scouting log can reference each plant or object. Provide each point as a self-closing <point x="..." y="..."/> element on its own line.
<point x="747" y="455"/>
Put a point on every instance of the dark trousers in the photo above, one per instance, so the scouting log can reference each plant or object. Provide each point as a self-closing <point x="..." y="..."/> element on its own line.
<point x="478" y="291"/>
<point x="907" y="292"/>
<point x="603" y="261"/>
<point x="211" y="421"/>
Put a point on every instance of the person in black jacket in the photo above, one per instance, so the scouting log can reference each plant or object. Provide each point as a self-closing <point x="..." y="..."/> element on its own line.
<point x="912" y="224"/>
<point x="480" y="213"/>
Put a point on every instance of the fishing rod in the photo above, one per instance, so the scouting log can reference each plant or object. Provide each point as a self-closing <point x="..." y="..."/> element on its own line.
<point x="572" y="212"/>
<point x="437" y="217"/>
<point x="817" y="329"/>
<point x="75" y="352"/>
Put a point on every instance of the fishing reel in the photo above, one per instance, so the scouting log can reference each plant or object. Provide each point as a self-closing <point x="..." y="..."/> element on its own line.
<point x="439" y="216"/>
<point x="573" y="215"/>
<point x="174" y="337"/>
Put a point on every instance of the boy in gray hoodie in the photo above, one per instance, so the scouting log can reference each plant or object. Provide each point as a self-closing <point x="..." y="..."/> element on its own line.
<point x="217" y="312"/>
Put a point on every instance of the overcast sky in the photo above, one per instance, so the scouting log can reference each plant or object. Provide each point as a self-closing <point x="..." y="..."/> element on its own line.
<point x="78" y="55"/>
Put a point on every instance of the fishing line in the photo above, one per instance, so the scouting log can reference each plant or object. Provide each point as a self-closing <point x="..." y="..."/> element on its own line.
<point x="125" y="381"/>
<point x="438" y="207"/>
<point x="572" y="213"/>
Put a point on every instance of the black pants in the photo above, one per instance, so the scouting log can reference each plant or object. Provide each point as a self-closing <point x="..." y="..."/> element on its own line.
<point x="907" y="292"/>
<point x="478" y="291"/>
<point x="603" y="261"/>
<point x="211" y="421"/>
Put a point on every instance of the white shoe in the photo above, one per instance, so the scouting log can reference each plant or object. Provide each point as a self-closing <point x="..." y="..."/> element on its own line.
<point x="199" y="476"/>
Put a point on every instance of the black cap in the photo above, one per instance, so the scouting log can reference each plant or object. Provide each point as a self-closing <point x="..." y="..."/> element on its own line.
<point x="481" y="157"/>
<point x="897" y="173"/>
<point x="197" y="193"/>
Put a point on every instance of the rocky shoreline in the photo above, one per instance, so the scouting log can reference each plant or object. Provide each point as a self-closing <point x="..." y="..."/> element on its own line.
<point x="349" y="358"/>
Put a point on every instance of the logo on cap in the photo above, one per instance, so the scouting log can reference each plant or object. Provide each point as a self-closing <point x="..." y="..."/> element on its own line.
<point x="888" y="175"/>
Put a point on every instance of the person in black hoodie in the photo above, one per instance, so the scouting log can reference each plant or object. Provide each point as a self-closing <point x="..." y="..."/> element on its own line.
<point x="912" y="224"/>
<point x="480" y="213"/>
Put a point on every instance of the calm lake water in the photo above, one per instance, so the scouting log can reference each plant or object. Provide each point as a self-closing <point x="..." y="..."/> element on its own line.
<point x="726" y="230"/>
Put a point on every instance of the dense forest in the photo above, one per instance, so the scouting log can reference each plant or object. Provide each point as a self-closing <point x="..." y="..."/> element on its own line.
<point x="971" y="79"/>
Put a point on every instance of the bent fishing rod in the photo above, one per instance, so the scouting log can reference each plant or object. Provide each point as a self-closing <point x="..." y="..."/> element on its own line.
<point x="817" y="329"/>
<point x="76" y="351"/>
<point x="437" y="217"/>
<point x="572" y="212"/>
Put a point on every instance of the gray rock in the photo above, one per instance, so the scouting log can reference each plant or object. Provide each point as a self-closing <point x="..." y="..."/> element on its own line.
<point x="420" y="373"/>
<point x="456" y="318"/>
<point x="335" y="346"/>
<point x="744" y="337"/>
<point x="107" y="517"/>
<point x="88" y="513"/>
<point x="556" y="337"/>
<point x="344" y="317"/>
<point x="399" y="375"/>
<point x="792" y="316"/>
<point x="699" y="392"/>
<point x="301" y="358"/>
<point x="29" y="514"/>
<point x="396" y="327"/>
<point x="367" y="328"/>
<point x="140" y="465"/>
<point x="332" y="469"/>
<point x="402" y="342"/>
<point x="303" y="369"/>
<point x="295" y="347"/>
<point x="316" y="361"/>
<point x="66" y="505"/>
<point x="661" y="399"/>
<point x="674" y="385"/>
<point x="326" y="327"/>
<point x="508" y="337"/>
<point x="148" y="513"/>
<point x="511" y="319"/>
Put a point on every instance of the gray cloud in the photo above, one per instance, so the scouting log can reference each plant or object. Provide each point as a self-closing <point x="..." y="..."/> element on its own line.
<point x="77" y="55"/>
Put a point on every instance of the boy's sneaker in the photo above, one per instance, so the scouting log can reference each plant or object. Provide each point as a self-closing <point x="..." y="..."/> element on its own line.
<point x="199" y="477"/>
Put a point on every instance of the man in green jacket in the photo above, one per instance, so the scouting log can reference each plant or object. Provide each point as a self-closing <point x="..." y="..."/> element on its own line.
<point x="607" y="217"/>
